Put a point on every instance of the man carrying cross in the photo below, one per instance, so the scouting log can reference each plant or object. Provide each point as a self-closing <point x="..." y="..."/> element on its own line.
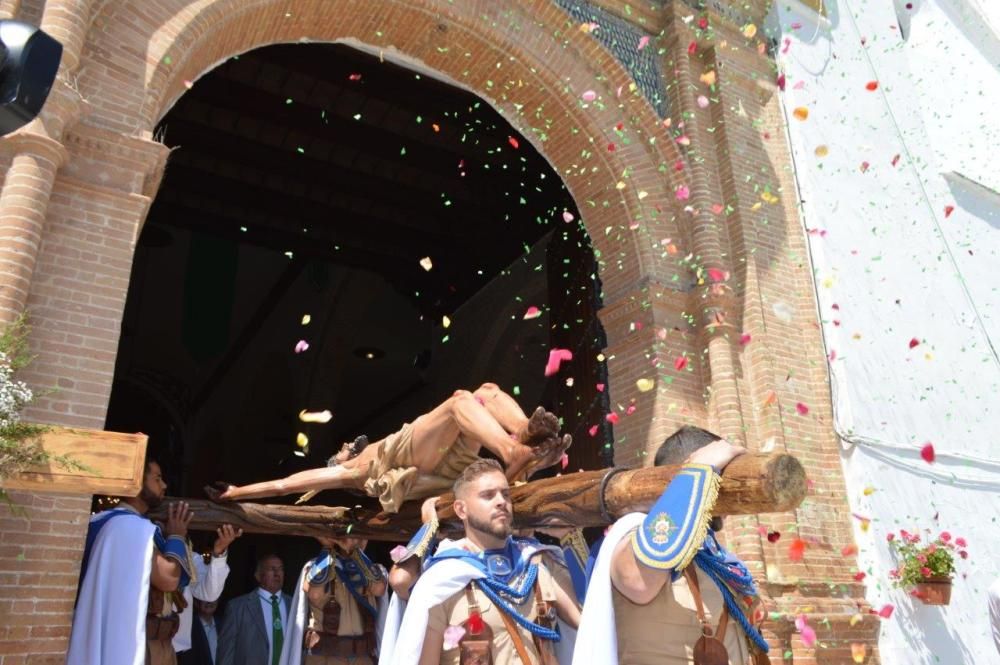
<point x="487" y="599"/>
<point x="424" y="457"/>
<point x="663" y="589"/>
<point x="335" y="614"/>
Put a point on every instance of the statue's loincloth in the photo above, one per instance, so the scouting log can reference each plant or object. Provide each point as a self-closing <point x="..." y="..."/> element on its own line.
<point x="392" y="474"/>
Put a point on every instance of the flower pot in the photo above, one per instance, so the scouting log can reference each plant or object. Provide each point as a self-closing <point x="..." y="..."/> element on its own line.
<point x="934" y="591"/>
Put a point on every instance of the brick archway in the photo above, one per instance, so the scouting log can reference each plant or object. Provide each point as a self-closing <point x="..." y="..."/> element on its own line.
<point x="531" y="62"/>
<point x="510" y="61"/>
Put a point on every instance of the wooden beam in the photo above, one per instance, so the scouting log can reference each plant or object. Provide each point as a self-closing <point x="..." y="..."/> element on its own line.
<point x="752" y="483"/>
<point x="114" y="464"/>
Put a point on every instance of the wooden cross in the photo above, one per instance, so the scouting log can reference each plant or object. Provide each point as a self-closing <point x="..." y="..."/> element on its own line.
<point x="752" y="483"/>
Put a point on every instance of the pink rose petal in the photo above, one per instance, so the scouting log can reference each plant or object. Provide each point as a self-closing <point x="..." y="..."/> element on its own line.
<point x="452" y="636"/>
<point x="643" y="42"/>
<point x="886" y="610"/>
<point x="556" y="356"/>
<point x="612" y="418"/>
<point x="567" y="216"/>
<point x="600" y="387"/>
<point x="806" y="631"/>
<point x="683" y="193"/>
<point x="927" y="452"/>
<point x="801" y="408"/>
<point x="532" y="313"/>
<point x="745" y="339"/>
<point x="589" y="96"/>
<point x="301" y="346"/>
<point x="593" y="430"/>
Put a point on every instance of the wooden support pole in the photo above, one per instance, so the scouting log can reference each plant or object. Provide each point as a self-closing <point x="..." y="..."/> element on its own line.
<point x="752" y="483"/>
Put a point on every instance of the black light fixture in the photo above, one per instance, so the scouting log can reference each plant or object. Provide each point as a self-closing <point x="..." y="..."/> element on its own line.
<point x="369" y="353"/>
<point x="29" y="60"/>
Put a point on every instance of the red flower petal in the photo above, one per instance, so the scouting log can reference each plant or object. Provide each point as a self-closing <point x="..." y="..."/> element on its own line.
<point x="513" y="142"/>
<point x="801" y="408"/>
<point x="717" y="275"/>
<point x="773" y="536"/>
<point x="871" y="85"/>
<point x="914" y="342"/>
<point x="886" y="611"/>
<point x="680" y="362"/>
<point x="612" y="418"/>
<point x="859" y="576"/>
<point x="692" y="48"/>
<point x="797" y="550"/>
<point x="593" y="430"/>
<point x="927" y="452"/>
<point x="744" y="339"/>
<point x="948" y="210"/>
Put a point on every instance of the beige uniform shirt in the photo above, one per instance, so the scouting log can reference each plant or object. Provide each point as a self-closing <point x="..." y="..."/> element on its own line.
<point x="455" y="610"/>
<point x="664" y="632"/>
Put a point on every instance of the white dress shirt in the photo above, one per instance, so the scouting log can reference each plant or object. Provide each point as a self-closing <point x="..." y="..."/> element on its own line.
<point x="211" y="634"/>
<point x="265" y="606"/>
<point x="211" y="581"/>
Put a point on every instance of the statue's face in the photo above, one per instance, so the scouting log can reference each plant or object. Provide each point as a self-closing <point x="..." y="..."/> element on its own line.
<point x="485" y="505"/>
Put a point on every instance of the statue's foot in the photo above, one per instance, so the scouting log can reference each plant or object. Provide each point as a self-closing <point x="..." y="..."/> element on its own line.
<point x="219" y="491"/>
<point x="548" y="453"/>
<point x="521" y="457"/>
<point x="541" y="425"/>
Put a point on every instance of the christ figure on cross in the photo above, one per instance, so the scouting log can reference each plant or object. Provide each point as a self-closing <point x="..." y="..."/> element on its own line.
<point x="426" y="456"/>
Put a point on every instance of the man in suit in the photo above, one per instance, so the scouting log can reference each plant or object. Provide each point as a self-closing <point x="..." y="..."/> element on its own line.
<point x="205" y="630"/>
<point x="256" y="623"/>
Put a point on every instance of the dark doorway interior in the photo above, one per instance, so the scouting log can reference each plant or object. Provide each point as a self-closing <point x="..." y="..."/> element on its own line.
<point x="306" y="186"/>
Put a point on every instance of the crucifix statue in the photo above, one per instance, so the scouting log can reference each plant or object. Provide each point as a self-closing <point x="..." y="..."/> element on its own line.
<point x="424" y="457"/>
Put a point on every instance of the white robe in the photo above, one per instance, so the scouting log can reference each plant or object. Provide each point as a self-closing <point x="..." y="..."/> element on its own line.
<point x="597" y="637"/>
<point x="298" y="621"/>
<point x="109" y="624"/>
<point x="406" y="621"/>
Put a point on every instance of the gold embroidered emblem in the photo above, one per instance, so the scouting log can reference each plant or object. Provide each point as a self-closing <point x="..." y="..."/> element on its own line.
<point x="662" y="527"/>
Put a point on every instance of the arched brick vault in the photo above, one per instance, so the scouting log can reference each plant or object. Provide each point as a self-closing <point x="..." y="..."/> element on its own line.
<point x="527" y="59"/>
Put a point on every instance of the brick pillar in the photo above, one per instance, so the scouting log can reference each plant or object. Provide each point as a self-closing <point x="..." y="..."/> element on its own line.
<point x="67" y="21"/>
<point x="40" y="550"/>
<point x="38" y="154"/>
<point x="8" y="8"/>
<point x="23" y="203"/>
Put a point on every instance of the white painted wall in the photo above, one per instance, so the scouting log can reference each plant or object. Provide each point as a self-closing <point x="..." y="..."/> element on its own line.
<point x="891" y="266"/>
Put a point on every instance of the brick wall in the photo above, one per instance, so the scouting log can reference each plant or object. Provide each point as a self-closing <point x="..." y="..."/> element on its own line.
<point x="41" y="545"/>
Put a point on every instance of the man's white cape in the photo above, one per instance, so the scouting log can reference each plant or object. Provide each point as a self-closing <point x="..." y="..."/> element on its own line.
<point x="597" y="641"/>
<point x="406" y="622"/>
<point x="298" y="622"/>
<point x="109" y="625"/>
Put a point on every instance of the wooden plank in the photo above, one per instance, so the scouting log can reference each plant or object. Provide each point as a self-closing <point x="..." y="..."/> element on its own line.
<point x="114" y="464"/>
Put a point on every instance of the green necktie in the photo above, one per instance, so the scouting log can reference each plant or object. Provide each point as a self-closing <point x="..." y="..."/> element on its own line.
<point x="277" y="634"/>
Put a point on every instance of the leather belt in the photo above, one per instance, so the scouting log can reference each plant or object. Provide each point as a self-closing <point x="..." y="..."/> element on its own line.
<point x="160" y="629"/>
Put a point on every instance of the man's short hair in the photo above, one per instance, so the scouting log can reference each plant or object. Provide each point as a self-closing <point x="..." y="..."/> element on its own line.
<point x="267" y="556"/>
<point x="478" y="468"/>
<point x="678" y="446"/>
